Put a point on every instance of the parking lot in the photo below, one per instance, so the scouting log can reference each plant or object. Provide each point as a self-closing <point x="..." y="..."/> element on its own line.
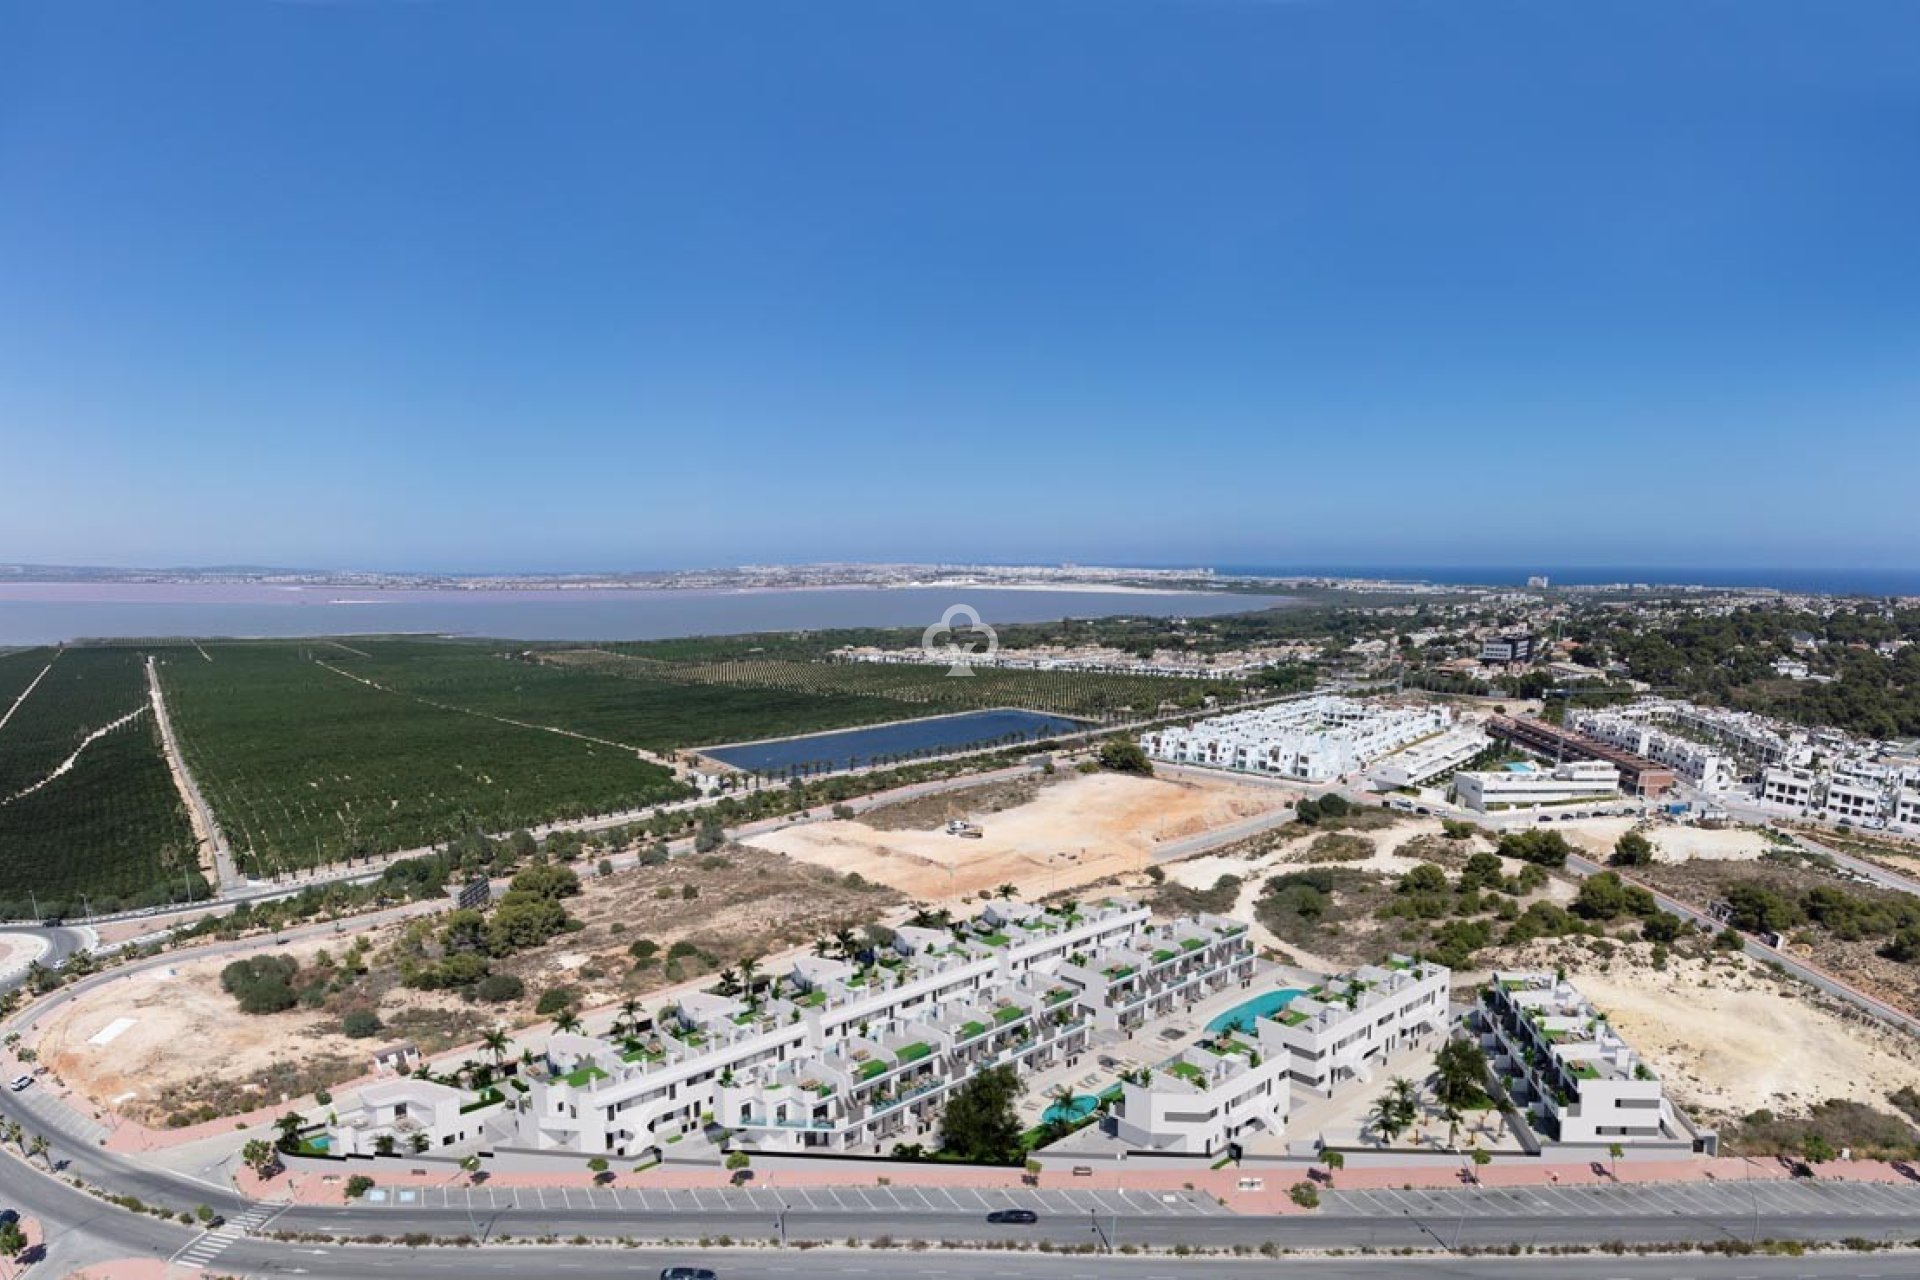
<point x="1719" y="1200"/>
<point x="869" y="1200"/>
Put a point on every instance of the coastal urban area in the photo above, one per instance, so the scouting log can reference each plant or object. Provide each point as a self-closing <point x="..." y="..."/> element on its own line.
<point x="1379" y="918"/>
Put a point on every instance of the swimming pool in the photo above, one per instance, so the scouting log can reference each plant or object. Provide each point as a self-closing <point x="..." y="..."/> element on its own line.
<point x="1264" y="1005"/>
<point x="1064" y="1113"/>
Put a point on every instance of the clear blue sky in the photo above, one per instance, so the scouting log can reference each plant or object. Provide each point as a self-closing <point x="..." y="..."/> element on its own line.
<point x="475" y="284"/>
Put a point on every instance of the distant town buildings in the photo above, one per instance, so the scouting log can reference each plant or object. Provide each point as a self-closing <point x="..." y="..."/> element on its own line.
<point x="1514" y="649"/>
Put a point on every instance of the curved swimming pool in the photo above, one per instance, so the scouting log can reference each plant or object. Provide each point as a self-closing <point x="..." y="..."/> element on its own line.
<point x="1065" y="1113"/>
<point x="1264" y="1005"/>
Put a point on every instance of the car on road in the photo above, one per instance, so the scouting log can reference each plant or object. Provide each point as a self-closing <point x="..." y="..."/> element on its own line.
<point x="687" y="1273"/>
<point x="1025" y="1217"/>
<point x="19" y="1082"/>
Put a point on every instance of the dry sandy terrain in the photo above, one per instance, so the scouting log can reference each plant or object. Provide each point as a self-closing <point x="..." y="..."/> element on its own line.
<point x="1671" y="843"/>
<point x="1075" y="830"/>
<point x="174" y="1040"/>
<point x="1729" y="1039"/>
<point x="183" y="1027"/>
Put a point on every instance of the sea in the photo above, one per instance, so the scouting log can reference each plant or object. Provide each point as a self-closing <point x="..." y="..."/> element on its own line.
<point x="1831" y="582"/>
<point x="52" y="613"/>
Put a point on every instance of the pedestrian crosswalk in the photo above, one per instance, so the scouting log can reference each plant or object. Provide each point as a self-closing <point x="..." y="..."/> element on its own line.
<point x="210" y="1244"/>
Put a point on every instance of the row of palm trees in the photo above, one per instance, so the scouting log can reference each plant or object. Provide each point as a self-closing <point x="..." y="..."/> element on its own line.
<point x="1457" y="1083"/>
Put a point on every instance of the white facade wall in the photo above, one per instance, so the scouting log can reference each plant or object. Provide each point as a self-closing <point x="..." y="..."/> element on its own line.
<point x="1311" y="739"/>
<point x="1709" y="770"/>
<point x="1571" y="780"/>
<point x="849" y="1057"/>
<point x="1326" y="1042"/>
<point x="409" y="1112"/>
<point x="1578" y="1080"/>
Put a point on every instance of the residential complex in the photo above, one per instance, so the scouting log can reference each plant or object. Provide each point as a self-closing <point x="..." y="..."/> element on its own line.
<point x="1430" y="759"/>
<point x="1569" y="1072"/>
<point x="846" y="1055"/>
<point x="1344" y="1029"/>
<point x="1521" y="785"/>
<point x="1636" y="729"/>
<point x="401" y="1117"/>
<point x="1313" y="739"/>
<point x="1638" y="775"/>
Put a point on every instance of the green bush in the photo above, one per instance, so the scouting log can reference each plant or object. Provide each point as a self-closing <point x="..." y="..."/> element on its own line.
<point x="360" y="1024"/>
<point x="497" y="988"/>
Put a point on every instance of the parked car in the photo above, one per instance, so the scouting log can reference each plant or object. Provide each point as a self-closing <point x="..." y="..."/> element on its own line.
<point x="19" y="1082"/>
<point x="1025" y="1217"/>
<point x="687" y="1273"/>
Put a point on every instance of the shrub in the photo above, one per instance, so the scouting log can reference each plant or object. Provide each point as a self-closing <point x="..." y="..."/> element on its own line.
<point x="554" y="1000"/>
<point x="261" y="984"/>
<point x="1123" y="755"/>
<point x="358" y="1185"/>
<point x="1304" y="1194"/>
<point x="360" y="1024"/>
<point x="497" y="988"/>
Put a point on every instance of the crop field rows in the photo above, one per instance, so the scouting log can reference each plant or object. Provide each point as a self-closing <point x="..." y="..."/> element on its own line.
<point x="1081" y="694"/>
<point x="304" y="765"/>
<point x="112" y="825"/>
<point x="638" y="709"/>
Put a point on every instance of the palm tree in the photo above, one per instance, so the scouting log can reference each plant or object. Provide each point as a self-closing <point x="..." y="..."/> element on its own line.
<point x="1385" y="1120"/>
<point x="749" y="972"/>
<point x="846" y="943"/>
<point x="628" y="1021"/>
<point x="1008" y="891"/>
<point x="729" y="981"/>
<point x="495" y="1043"/>
<point x="290" y="1126"/>
<point x="1406" y="1100"/>
<point x="567" y="1020"/>
<point x="38" y="1147"/>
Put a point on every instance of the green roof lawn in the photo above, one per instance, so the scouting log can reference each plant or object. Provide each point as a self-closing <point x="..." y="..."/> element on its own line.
<point x="914" y="1052"/>
<point x="868" y="1070"/>
<point x="583" y="1076"/>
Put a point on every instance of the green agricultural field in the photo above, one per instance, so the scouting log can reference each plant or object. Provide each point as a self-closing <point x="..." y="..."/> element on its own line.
<point x="111" y="826"/>
<point x="304" y="764"/>
<point x="925" y="690"/>
<point x="629" y="705"/>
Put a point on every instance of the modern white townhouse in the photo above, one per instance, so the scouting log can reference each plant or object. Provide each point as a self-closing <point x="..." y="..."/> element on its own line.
<point x="843" y="1056"/>
<point x="1574" y="1077"/>
<point x="1311" y="739"/>
<point x="1633" y="729"/>
<point x="1206" y="1097"/>
<point x="1347" y="1027"/>
<point x="1522" y="785"/>
<point x="402" y="1117"/>
<point x="1431" y="758"/>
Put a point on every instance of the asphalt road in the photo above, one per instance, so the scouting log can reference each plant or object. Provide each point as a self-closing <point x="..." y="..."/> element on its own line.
<point x="61" y="943"/>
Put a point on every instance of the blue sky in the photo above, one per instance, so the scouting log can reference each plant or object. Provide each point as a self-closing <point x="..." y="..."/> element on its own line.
<point x="488" y="285"/>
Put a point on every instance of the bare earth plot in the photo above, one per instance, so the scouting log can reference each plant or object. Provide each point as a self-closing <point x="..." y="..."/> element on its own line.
<point x="1075" y="830"/>
<point x="168" y="1042"/>
<point x="1729" y="1039"/>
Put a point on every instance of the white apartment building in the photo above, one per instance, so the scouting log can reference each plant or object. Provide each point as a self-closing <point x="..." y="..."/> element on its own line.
<point x="1209" y="1095"/>
<point x="1431" y="758"/>
<point x="1575" y="1078"/>
<point x="402" y="1117"/>
<point x="839" y="1056"/>
<point x="1789" y="788"/>
<point x="1522" y="785"/>
<point x="1312" y="739"/>
<point x="1347" y="1027"/>
<point x="1633" y="729"/>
